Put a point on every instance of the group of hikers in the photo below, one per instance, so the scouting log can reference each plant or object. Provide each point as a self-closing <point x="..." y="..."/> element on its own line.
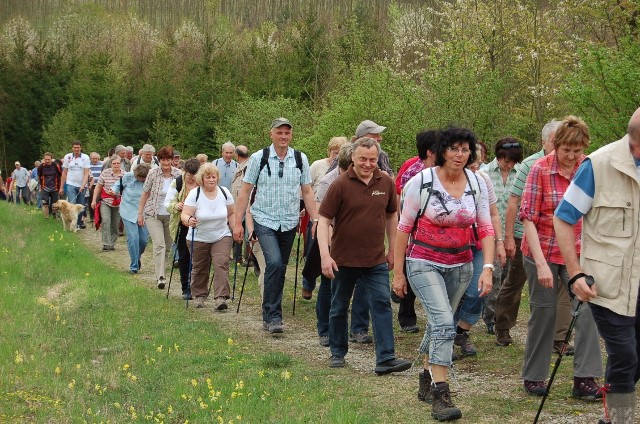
<point x="461" y="235"/>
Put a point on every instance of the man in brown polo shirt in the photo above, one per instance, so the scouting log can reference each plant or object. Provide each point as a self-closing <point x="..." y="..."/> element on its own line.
<point x="363" y="203"/>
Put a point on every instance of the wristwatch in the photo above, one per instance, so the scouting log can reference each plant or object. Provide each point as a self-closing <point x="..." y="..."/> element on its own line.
<point x="488" y="266"/>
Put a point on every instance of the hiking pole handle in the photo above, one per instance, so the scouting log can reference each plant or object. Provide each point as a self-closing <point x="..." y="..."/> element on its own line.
<point x="587" y="278"/>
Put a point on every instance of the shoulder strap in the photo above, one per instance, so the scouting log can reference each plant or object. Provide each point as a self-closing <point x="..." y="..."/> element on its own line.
<point x="139" y="159"/>
<point x="475" y="189"/>
<point x="121" y="186"/>
<point x="298" y="155"/>
<point x="179" y="184"/>
<point x="224" y="192"/>
<point x="198" y="194"/>
<point x="263" y="161"/>
<point x="426" y="189"/>
<point x="157" y="162"/>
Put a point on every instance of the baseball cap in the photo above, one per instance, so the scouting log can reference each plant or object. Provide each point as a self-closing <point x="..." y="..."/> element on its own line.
<point x="368" y="127"/>
<point x="278" y="122"/>
<point x="176" y="153"/>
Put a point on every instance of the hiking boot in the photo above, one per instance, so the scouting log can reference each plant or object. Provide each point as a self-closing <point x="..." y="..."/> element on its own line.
<point x="186" y="296"/>
<point x="276" y="327"/>
<point x="503" y="338"/>
<point x="105" y="247"/>
<point x="568" y="350"/>
<point x="307" y="294"/>
<point x="336" y="361"/>
<point x="622" y="407"/>
<point x="586" y="388"/>
<point x="199" y="302"/>
<point x="442" y="408"/>
<point x="220" y="303"/>
<point x="463" y="341"/>
<point x="363" y="338"/>
<point x="324" y="341"/>
<point x="537" y="388"/>
<point x="392" y="365"/>
<point x="265" y="326"/>
<point x="410" y="328"/>
<point x="424" y="387"/>
<point x="160" y="283"/>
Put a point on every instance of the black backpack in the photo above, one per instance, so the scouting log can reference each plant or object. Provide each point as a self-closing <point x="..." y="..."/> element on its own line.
<point x="265" y="162"/>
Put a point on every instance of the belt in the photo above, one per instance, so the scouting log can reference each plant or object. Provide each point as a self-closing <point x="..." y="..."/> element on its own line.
<point x="451" y="250"/>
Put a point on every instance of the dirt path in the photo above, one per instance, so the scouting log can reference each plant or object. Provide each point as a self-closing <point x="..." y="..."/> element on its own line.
<point x="300" y="340"/>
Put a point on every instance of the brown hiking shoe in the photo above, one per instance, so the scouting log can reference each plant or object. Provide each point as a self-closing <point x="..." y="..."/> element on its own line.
<point x="442" y="408"/>
<point x="503" y="338"/>
<point x="464" y="342"/>
<point x="424" y="387"/>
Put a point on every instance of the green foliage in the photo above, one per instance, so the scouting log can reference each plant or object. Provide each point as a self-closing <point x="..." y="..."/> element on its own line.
<point x="250" y="121"/>
<point x="605" y="89"/>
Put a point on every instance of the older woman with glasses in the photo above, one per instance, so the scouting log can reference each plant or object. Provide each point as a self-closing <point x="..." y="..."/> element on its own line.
<point x="208" y="211"/>
<point x="153" y="213"/>
<point x="109" y="202"/>
<point x="546" y="272"/>
<point x="130" y="189"/>
<point x="442" y="207"/>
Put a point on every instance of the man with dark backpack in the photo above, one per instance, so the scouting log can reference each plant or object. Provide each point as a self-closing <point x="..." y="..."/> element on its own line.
<point x="278" y="173"/>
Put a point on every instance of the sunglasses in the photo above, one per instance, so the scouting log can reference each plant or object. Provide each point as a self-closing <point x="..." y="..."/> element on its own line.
<point x="281" y="171"/>
<point x="508" y="146"/>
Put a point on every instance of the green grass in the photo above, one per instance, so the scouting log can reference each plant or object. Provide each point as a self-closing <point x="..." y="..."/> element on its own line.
<point x="83" y="342"/>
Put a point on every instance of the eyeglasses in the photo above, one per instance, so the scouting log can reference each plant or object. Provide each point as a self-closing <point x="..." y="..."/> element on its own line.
<point x="281" y="172"/>
<point x="508" y="146"/>
<point x="454" y="149"/>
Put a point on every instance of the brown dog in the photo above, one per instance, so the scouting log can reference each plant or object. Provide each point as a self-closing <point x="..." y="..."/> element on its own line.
<point x="69" y="214"/>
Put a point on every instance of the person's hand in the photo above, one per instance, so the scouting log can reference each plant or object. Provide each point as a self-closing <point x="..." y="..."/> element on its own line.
<point x="140" y="220"/>
<point x="179" y="206"/>
<point x="545" y="277"/>
<point x="510" y="246"/>
<point x="390" y="260"/>
<point x="93" y="204"/>
<point x="399" y="285"/>
<point x="193" y="222"/>
<point x="485" y="282"/>
<point x="501" y="253"/>
<point x="238" y="233"/>
<point x="328" y="267"/>
<point x="252" y="236"/>
<point x="583" y="291"/>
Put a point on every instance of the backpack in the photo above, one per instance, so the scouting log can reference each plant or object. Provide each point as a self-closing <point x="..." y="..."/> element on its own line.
<point x="265" y="161"/>
<point x="426" y="190"/>
<point x="155" y="160"/>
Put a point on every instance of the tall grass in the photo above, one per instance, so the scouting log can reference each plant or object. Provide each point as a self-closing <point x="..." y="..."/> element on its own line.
<point x="83" y="342"/>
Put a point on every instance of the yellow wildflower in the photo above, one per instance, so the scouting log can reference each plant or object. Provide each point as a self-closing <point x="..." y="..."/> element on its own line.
<point x="194" y="382"/>
<point x="57" y="370"/>
<point x="230" y="341"/>
<point x="19" y="359"/>
<point x="159" y="348"/>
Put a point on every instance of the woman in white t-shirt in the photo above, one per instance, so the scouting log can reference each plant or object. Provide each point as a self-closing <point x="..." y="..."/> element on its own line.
<point x="208" y="211"/>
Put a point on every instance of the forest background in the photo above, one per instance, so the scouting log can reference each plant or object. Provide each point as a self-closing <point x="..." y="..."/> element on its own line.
<point x="194" y="74"/>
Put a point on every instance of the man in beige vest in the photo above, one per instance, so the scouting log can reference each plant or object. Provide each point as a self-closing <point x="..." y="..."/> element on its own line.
<point x="606" y="191"/>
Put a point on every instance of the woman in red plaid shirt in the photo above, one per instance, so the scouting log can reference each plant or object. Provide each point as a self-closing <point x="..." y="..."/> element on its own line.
<point x="546" y="272"/>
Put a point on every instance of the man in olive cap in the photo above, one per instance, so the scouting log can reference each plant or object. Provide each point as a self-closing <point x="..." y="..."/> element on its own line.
<point x="372" y="130"/>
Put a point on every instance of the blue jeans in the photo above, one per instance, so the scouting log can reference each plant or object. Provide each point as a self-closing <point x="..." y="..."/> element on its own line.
<point x="375" y="283"/>
<point x="75" y="196"/>
<point x="137" y="238"/>
<point x="621" y="335"/>
<point x="439" y="290"/>
<point x="276" y="247"/>
<point x="359" y="308"/>
<point x="470" y="308"/>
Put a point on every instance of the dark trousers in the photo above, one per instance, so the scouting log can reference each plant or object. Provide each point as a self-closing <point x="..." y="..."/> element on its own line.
<point x="183" y="259"/>
<point x="407" y="309"/>
<point x="621" y="335"/>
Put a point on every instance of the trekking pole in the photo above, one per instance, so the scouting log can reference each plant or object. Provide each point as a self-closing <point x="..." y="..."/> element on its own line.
<point x="295" y="280"/>
<point x="235" y="273"/>
<point x="193" y="235"/>
<point x="589" y="280"/>
<point x="173" y="260"/>
<point x="244" y="279"/>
